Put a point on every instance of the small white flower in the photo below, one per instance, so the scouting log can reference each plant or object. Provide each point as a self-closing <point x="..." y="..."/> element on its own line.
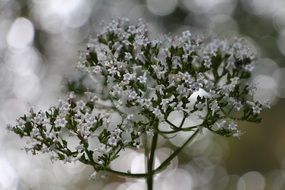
<point x="145" y="102"/>
<point x="128" y="56"/>
<point x="186" y="34"/>
<point x="214" y="106"/>
<point x="89" y="118"/>
<point x="40" y="118"/>
<point x="113" y="71"/>
<point x="256" y="109"/>
<point x="266" y="104"/>
<point x="101" y="162"/>
<point x="132" y="95"/>
<point x="71" y="96"/>
<point x="97" y="69"/>
<point x="219" y="125"/>
<point x="181" y="89"/>
<point x="157" y="112"/>
<point x="142" y="79"/>
<point x="80" y="105"/>
<point x="20" y="123"/>
<point x="164" y="104"/>
<point x="60" y="122"/>
<point x="35" y="132"/>
<point x="249" y="67"/>
<point x="207" y="62"/>
<point x="113" y="141"/>
<point x="130" y="117"/>
<point x="199" y="106"/>
<point x="128" y="77"/>
<point x="232" y="126"/>
<point x="63" y="107"/>
<point x="179" y="107"/>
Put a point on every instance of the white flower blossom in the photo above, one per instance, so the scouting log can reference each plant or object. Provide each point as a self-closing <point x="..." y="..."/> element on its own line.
<point x="157" y="112"/>
<point x="142" y="79"/>
<point x="60" y="122"/>
<point x="256" y="109"/>
<point x="214" y="106"/>
<point x="232" y="126"/>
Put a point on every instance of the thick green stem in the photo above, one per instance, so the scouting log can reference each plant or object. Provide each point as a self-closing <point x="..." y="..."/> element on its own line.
<point x="150" y="163"/>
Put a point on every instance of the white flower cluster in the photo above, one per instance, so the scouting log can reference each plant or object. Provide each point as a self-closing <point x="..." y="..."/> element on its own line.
<point x="79" y="119"/>
<point x="158" y="77"/>
<point x="144" y="81"/>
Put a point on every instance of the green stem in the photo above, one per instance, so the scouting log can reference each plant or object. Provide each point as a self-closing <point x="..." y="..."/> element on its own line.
<point x="132" y="175"/>
<point x="150" y="163"/>
<point x="166" y="162"/>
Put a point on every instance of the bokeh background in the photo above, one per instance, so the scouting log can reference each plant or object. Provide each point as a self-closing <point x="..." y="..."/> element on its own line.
<point x="39" y="44"/>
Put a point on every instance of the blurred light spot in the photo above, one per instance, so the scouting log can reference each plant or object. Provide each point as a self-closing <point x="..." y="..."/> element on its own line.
<point x="223" y="25"/>
<point x="162" y="154"/>
<point x="136" y="186"/>
<point x="4" y="27"/>
<point x="63" y="7"/>
<point x="265" y="66"/>
<point x="210" y="6"/>
<point x="26" y="87"/>
<point x="21" y="33"/>
<point x="124" y="186"/>
<point x="124" y="161"/>
<point x="251" y="181"/>
<point x="266" y="88"/>
<point x="279" y="75"/>
<point x="177" y="179"/>
<point x="79" y="17"/>
<point x="275" y="180"/>
<point x="161" y="7"/>
<point x="6" y="79"/>
<point x="23" y="62"/>
<point x="110" y="186"/>
<point x="233" y="180"/>
<point x="75" y="35"/>
<point x="258" y="7"/>
<point x="279" y="18"/>
<point x="12" y="108"/>
<point x="123" y="8"/>
<point x="138" y="163"/>
<point x="179" y="138"/>
<point x="202" y="146"/>
<point x="137" y="12"/>
<point x="8" y="177"/>
<point x="201" y="169"/>
<point x="55" y="15"/>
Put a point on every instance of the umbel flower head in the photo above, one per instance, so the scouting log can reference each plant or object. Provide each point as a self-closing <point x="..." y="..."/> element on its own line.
<point x="142" y="81"/>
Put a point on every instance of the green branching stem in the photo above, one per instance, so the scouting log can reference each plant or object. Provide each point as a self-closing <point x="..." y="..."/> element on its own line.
<point x="150" y="164"/>
<point x="166" y="162"/>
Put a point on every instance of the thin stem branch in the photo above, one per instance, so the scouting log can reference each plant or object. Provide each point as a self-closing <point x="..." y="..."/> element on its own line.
<point x="127" y="174"/>
<point x="166" y="162"/>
